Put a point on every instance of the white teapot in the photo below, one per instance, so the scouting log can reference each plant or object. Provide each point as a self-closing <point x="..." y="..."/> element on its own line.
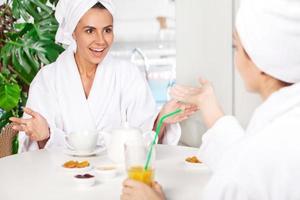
<point x="116" y="139"/>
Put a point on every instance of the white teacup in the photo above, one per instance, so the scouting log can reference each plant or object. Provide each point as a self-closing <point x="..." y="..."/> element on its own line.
<point x="82" y="141"/>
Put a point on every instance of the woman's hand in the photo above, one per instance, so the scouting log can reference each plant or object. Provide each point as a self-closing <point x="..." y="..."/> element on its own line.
<point x="35" y="127"/>
<point x="200" y="96"/>
<point x="203" y="97"/>
<point x="172" y="105"/>
<point x="135" y="190"/>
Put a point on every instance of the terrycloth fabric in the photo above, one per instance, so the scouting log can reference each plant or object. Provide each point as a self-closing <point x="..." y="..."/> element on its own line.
<point x="262" y="162"/>
<point x="68" y="14"/>
<point x="270" y="33"/>
<point x="119" y="92"/>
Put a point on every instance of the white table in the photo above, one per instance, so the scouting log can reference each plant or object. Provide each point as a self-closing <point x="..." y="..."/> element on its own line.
<point x="39" y="175"/>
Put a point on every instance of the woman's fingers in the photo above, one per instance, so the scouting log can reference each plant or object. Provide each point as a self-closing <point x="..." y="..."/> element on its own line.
<point x="203" y="81"/>
<point x="186" y="90"/>
<point x="184" y="97"/>
<point x="131" y="183"/>
<point x="30" y="112"/>
<point x="125" y="197"/>
<point x="25" y="129"/>
<point x="33" y="137"/>
<point x="127" y="190"/>
<point x="177" y="96"/>
<point x="23" y="125"/>
<point x="157" y="188"/>
<point x="20" y="127"/>
<point x="18" y="120"/>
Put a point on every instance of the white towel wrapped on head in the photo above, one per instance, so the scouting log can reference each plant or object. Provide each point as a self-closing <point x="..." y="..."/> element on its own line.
<point x="270" y="34"/>
<point x="69" y="12"/>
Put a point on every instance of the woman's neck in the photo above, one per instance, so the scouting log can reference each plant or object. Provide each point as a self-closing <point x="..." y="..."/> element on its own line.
<point x="85" y="68"/>
<point x="270" y="86"/>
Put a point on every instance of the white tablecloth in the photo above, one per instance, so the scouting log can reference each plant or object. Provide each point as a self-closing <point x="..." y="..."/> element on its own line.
<point x="39" y="175"/>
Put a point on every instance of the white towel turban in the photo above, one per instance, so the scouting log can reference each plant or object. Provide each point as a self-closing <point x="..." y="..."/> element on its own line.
<point x="68" y="14"/>
<point x="270" y="33"/>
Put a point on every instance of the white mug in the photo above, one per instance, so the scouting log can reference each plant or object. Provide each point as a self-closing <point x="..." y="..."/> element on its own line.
<point x="82" y="141"/>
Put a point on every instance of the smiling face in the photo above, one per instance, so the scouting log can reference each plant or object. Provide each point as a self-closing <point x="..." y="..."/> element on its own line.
<point x="94" y="36"/>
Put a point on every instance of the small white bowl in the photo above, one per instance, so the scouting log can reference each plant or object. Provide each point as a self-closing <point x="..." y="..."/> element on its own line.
<point x="191" y="165"/>
<point x="83" y="181"/>
<point x="106" y="171"/>
<point x="78" y="170"/>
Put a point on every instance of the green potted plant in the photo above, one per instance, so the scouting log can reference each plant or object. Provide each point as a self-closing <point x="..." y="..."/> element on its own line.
<point x="27" y="34"/>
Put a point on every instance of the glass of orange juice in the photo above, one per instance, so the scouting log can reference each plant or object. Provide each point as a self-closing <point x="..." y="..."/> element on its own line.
<point x="135" y="159"/>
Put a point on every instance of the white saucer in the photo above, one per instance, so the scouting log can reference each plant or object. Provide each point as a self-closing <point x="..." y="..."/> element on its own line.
<point x="71" y="152"/>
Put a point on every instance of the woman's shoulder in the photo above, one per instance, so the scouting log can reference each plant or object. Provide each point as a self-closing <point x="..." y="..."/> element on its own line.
<point x="45" y="74"/>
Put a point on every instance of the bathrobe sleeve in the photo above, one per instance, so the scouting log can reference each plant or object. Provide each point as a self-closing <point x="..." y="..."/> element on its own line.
<point x="225" y="188"/>
<point x="42" y="99"/>
<point x="218" y="139"/>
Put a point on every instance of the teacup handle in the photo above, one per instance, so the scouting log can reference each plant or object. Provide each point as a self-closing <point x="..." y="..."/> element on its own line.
<point x="67" y="143"/>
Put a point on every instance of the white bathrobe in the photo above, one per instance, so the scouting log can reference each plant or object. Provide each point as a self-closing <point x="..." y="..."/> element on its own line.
<point x="119" y="92"/>
<point x="261" y="163"/>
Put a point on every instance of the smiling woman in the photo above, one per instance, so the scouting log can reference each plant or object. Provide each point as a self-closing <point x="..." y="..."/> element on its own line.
<point x="94" y="37"/>
<point x="86" y="88"/>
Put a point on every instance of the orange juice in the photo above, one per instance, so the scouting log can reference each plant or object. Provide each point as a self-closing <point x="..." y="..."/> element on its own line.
<point x="138" y="173"/>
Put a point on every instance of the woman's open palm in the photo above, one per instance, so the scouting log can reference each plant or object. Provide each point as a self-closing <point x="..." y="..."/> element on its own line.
<point x="35" y="127"/>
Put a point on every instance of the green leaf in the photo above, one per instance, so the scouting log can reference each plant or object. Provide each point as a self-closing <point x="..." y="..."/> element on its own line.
<point x="43" y="58"/>
<point x="53" y="1"/>
<point x="24" y="28"/>
<point x="15" y="145"/>
<point x="18" y="69"/>
<point x="52" y="51"/>
<point x="9" y="96"/>
<point x="16" y="9"/>
<point x="5" y="55"/>
<point x="27" y="47"/>
<point x="23" y="61"/>
<point x="32" y="60"/>
<point x="24" y="14"/>
<point x="42" y="6"/>
<point x="4" y="118"/>
<point x="31" y="10"/>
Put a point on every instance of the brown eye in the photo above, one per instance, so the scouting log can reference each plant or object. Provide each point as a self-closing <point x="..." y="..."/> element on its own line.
<point x="89" y="30"/>
<point x="108" y="30"/>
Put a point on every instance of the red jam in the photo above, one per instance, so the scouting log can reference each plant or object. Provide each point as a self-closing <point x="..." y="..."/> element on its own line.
<point x="84" y="176"/>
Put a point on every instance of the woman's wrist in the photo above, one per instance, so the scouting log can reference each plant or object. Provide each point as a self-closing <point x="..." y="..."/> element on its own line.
<point x="43" y="143"/>
<point x="211" y="114"/>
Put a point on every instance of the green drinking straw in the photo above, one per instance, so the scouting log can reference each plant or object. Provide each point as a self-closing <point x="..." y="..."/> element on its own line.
<point x="149" y="154"/>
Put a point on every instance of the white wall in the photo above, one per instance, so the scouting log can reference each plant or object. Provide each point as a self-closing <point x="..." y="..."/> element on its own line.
<point x="204" y="48"/>
<point x="135" y="20"/>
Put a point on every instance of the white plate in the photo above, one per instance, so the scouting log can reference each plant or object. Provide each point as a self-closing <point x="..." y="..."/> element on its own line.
<point x="71" y="152"/>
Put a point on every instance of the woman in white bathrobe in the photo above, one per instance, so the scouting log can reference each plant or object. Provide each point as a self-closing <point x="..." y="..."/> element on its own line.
<point x="86" y="88"/>
<point x="263" y="161"/>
